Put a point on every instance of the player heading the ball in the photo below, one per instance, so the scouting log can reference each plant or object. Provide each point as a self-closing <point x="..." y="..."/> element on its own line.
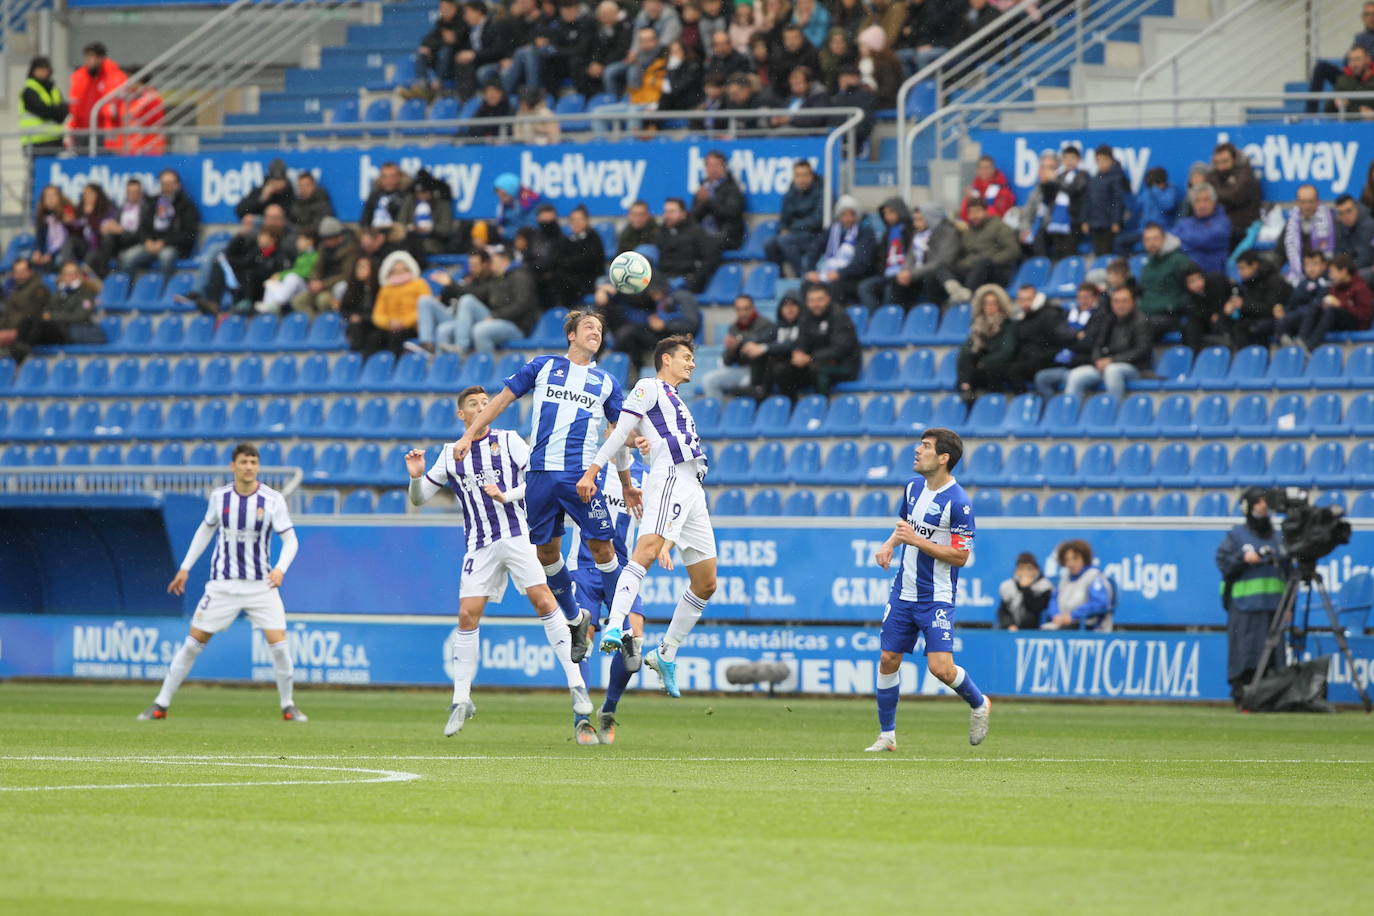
<point x="242" y="577"/>
<point x="674" y="502"/>
<point x="935" y="531"/>
<point x="488" y="481"/>
<point x="573" y="402"/>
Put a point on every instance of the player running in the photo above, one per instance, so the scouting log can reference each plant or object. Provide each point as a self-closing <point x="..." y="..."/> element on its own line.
<point x="489" y="487"/>
<point x="573" y="400"/>
<point x="935" y="529"/>
<point x="674" y="503"/>
<point x="591" y="595"/>
<point x="242" y="577"/>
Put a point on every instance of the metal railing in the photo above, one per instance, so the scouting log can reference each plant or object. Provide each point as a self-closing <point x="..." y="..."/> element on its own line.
<point x="223" y="54"/>
<point x="837" y="162"/>
<point x="112" y="480"/>
<point x="1220" y="110"/>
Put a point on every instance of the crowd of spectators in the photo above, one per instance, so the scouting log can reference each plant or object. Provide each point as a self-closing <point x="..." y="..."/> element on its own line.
<point x="50" y="119"/>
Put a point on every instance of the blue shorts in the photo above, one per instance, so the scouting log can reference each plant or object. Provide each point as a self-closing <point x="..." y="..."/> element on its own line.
<point x="549" y="494"/>
<point x="590" y="596"/>
<point x="903" y="621"/>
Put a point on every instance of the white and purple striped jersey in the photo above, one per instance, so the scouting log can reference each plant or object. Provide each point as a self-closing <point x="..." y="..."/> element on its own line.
<point x="579" y="554"/>
<point x="245" y="525"/>
<point x="501" y="458"/>
<point x="945" y="517"/>
<point x="665" y="421"/>
<point x="572" y="405"/>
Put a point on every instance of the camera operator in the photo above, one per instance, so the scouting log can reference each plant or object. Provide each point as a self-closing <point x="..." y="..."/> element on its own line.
<point x="1252" y="585"/>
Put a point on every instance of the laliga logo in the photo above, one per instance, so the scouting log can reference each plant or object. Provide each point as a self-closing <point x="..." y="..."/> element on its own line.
<point x="1133" y="574"/>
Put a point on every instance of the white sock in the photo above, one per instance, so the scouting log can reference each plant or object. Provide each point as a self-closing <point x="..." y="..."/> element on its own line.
<point x="626" y="591"/>
<point x="281" y="667"/>
<point x="464" y="663"/>
<point x="685" y="616"/>
<point x="556" y="629"/>
<point x="892" y="734"/>
<point x="178" y="669"/>
<point x="886" y="681"/>
<point x="553" y="568"/>
<point x="610" y="565"/>
<point x="958" y="678"/>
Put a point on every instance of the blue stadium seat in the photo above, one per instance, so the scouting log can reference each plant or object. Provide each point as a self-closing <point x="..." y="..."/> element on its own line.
<point x="1064" y="278"/>
<point x="76" y="456"/>
<point x="771" y="418"/>
<point x="365" y="467"/>
<point x="836" y="504"/>
<point x="920" y="324"/>
<point x="314" y="373"/>
<point x="885" y="327"/>
<point x="1359" y="369"/>
<point x="1249" y="466"/>
<point x="119" y="417"/>
<point x="376" y="374"/>
<point x="1326" y="465"/>
<point x="476" y="370"/>
<point x="954" y="326"/>
<point x="343" y="375"/>
<point x="1135" y="466"/>
<point x="43" y="456"/>
<point x="441" y="419"/>
<point x="282" y="376"/>
<point x="1326" y="367"/>
<point x="737" y="419"/>
<point x="375" y="417"/>
<point x="199" y="335"/>
<point x="1098" y="467"/>
<point x="1060" y="418"/>
<point x="1135" y="505"/>
<point x="327" y="332"/>
<point x="147" y="422"/>
<point x="880" y="374"/>
<point x="725" y="285"/>
<point x="1360" y="463"/>
<point x="987" y="503"/>
<point x="145" y="294"/>
<point x="15" y="456"/>
<point x="859" y="315"/>
<point x="360" y="502"/>
<point x="1175" y="418"/>
<point x="1213" y="417"/>
<point x="23" y="423"/>
<point x="215" y="378"/>
<point x="203" y="455"/>
<point x="56" y="421"/>
<point x="1099" y="413"/>
<point x="1059" y="505"/>
<point x="983" y="467"/>
<point x="732" y="466"/>
<point x="1359" y="415"/>
<point x="1173" y="504"/>
<point x="1059" y="468"/>
<point x="64" y="376"/>
<point x="175" y="296"/>
<point x="1137" y="417"/>
<point x="1288" y="465"/>
<point x="918" y="372"/>
<point x="1211" y="466"/>
<point x="21" y="246"/>
<point x="1212" y="505"/>
<point x="323" y="502"/>
<point x="755" y="238"/>
<point x="443" y="374"/>
<point x="874" y="504"/>
<point x="946" y="374"/>
<point x="85" y="420"/>
<point x="800" y="504"/>
<point x="706" y="413"/>
<point x="950" y="413"/>
<point x="1287" y="367"/>
<point x="841" y="463"/>
<point x="1023" y="416"/>
<point x="210" y="421"/>
<point x="1288" y="416"/>
<point x="843" y="417"/>
<point x="1032" y="272"/>
<point x="1324" y="416"/>
<point x="877" y="465"/>
<point x="411" y="373"/>
<point x="1248" y="368"/>
<point x="769" y="464"/>
<point x="1096" y="505"/>
<point x="115" y="293"/>
<point x="1023" y="505"/>
<point x="1209" y="371"/>
<point x="392" y="502"/>
<point x="157" y="377"/>
<point x="762" y="282"/>
<point x="765" y="503"/>
<point x="1356" y="599"/>
<point x="987" y="417"/>
<point x="108" y="456"/>
<point x="182" y="416"/>
<point x="1173" y="467"/>
<point x="1023" y="466"/>
<point x="729" y="502"/>
<point x="33" y="377"/>
<point x="880" y="415"/>
<point x="171" y="455"/>
<point x="169" y="335"/>
<point x="1250" y="416"/>
<point x="262" y="333"/>
<point x="292" y="332"/>
<point x="248" y="375"/>
<point x="807" y="417"/>
<point x="406" y="420"/>
<point x="244" y="419"/>
<point x="7" y="372"/>
<point x="377" y="111"/>
<point x="342" y="420"/>
<point x="302" y="455"/>
<point x="1363" y="506"/>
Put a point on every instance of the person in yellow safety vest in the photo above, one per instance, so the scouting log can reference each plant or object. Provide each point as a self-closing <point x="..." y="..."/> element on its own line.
<point x="42" y="110"/>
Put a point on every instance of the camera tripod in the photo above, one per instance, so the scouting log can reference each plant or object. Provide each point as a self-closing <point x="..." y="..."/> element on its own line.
<point x="1306" y="574"/>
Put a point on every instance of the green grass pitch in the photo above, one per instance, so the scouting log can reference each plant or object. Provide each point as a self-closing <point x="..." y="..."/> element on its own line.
<point x="717" y="805"/>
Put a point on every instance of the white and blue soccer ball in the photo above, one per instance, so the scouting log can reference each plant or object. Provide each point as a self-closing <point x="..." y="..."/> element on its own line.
<point x="631" y="272"/>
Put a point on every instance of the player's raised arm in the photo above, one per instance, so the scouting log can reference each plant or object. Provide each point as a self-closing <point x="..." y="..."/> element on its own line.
<point x="615" y="442"/>
<point x="422" y="487"/>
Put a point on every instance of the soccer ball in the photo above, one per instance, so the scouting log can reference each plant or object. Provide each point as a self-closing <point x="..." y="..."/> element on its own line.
<point x="630" y="272"/>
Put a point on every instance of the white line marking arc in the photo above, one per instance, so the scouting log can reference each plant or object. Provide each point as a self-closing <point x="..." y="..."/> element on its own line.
<point x="369" y="776"/>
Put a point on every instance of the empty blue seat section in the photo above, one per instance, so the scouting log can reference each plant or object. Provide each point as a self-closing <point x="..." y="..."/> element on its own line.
<point x="1133" y="505"/>
<point x="1212" y="505"/>
<point x="987" y="503"/>
<point x="836" y="504"/>
<point x="1059" y="505"/>
<point x="874" y="504"/>
<point x="771" y="418"/>
<point x="885" y="327"/>
<point x="729" y="502"/>
<point x="765" y="502"/>
<point x="1096" y="505"/>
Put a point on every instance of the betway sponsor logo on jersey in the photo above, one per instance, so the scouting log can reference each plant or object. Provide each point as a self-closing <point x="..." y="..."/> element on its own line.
<point x="574" y="175"/>
<point x="1112" y="667"/>
<point x="572" y="396"/>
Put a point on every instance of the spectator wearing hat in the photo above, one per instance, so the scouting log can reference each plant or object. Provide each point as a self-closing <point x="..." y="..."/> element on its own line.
<point x="799" y="220"/>
<point x="332" y="271"/>
<point x="275" y="189"/>
<point x="516" y="208"/>
<point x="893" y="246"/>
<point x="489" y="42"/>
<point x="97" y="77"/>
<point x="718" y="205"/>
<point x="882" y="71"/>
<point x="845" y="253"/>
<point x="395" y="311"/>
<point x="41" y="110"/>
<point x="935" y="248"/>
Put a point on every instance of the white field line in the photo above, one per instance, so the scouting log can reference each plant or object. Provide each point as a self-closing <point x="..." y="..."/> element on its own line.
<point x="856" y="758"/>
<point x="368" y="775"/>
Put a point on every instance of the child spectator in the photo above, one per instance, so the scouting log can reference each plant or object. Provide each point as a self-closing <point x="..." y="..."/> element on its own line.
<point x="355" y="306"/>
<point x="283" y="286"/>
<point x="1347" y="307"/>
<point x="395" y="313"/>
<point x="1104" y="201"/>
<point x="892" y="252"/>
<point x="1256" y="301"/>
<point x="1066" y="204"/>
<point x="1306" y="297"/>
<point x="990" y="186"/>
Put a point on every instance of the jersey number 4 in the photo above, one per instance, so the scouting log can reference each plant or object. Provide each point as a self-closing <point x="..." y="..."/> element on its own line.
<point x="467" y="566"/>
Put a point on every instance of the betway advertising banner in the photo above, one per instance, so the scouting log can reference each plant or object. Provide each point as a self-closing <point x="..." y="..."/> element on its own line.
<point x="822" y="660"/>
<point x="786" y="572"/>
<point x="606" y="177"/>
<point x="1335" y="157"/>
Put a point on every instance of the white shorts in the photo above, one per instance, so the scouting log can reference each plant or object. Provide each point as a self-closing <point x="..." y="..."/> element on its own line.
<point x="225" y="598"/>
<point x="675" y="509"/>
<point x="485" y="569"/>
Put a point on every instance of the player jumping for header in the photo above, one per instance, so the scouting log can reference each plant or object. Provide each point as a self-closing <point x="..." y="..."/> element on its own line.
<point x="674" y="503"/>
<point x="489" y="486"/>
<point x="242" y="577"/>
<point x="573" y="400"/>
<point x="935" y="530"/>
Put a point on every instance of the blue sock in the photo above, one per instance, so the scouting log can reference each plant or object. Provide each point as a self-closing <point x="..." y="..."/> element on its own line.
<point x="887" y="692"/>
<point x="560" y="583"/>
<point x="609" y="578"/>
<point x="964" y="686"/>
<point x="620" y="679"/>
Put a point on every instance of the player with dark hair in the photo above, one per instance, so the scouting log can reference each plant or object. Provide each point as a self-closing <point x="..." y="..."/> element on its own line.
<point x="574" y="400"/>
<point x="935" y="530"/>
<point x="242" y="577"/>
<point x="490" y="486"/>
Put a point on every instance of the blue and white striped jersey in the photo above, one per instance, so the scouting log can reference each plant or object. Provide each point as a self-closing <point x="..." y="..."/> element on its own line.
<point x="500" y="458"/>
<point x="245" y="526"/>
<point x="572" y="405"/>
<point x="945" y="517"/>
<point x="579" y="554"/>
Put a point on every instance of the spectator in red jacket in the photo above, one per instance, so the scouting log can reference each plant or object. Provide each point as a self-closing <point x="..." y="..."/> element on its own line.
<point x="144" y="109"/>
<point x="1348" y="307"/>
<point x="991" y="187"/>
<point x="97" y="77"/>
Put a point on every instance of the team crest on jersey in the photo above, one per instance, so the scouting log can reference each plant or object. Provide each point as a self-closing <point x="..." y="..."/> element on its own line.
<point x="261" y="512"/>
<point x="496" y="448"/>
